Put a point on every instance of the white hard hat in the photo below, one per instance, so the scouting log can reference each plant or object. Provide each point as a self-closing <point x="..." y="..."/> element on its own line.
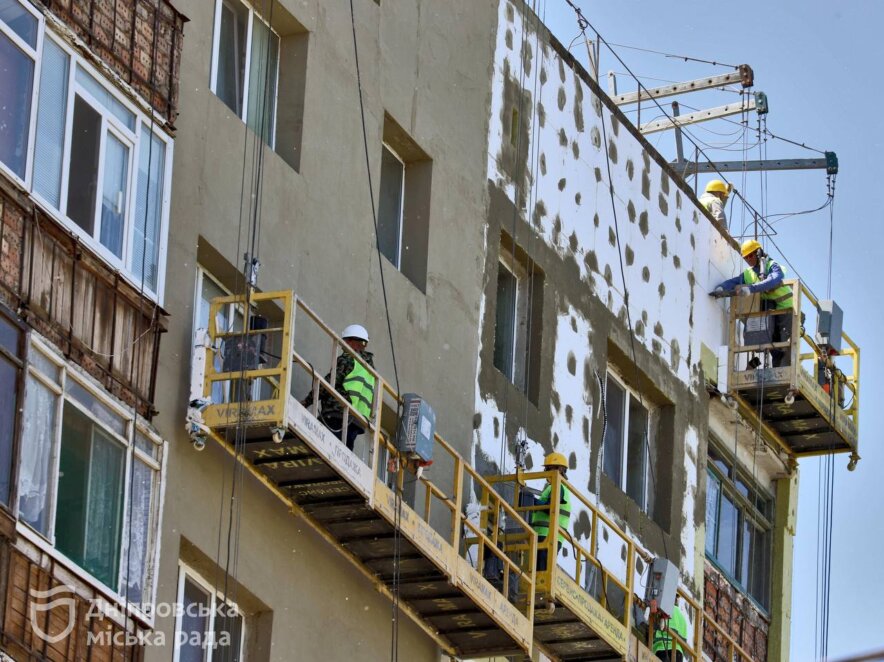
<point x="355" y="331"/>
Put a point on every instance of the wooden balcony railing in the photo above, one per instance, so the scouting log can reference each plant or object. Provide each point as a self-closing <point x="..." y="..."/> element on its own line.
<point x="50" y="614"/>
<point x="69" y="295"/>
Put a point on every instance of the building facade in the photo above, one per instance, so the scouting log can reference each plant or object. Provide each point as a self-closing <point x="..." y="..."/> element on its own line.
<point x="458" y="184"/>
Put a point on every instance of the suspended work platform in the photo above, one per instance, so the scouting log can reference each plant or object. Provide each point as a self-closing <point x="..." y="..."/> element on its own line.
<point x="801" y="386"/>
<point x="408" y="541"/>
<point x="582" y="608"/>
<point x="471" y="582"/>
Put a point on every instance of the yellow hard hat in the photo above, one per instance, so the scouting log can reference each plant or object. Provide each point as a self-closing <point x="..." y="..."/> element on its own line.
<point x="749" y="246"/>
<point x="717" y="186"/>
<point x="555" y="460"/>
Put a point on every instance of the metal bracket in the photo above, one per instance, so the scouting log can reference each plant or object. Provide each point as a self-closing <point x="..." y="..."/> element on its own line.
<point x="829" y="164"/>
<point x="699" y="116"/>
<point x="743" y="76"/>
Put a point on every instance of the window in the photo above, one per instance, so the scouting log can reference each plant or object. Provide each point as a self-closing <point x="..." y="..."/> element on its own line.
<point x="257" y="68"/>
<point x="208" y="628"/>
<point x="19" y="41"/>
<point x="404" y="204"/>
<point x="83" y="484"/>
<point x="627" y="440"/>
<point x="92" y="160"/>
<point x="390" y="206"/>
<point x="517" y="328"/>
<point x="245" y="66"/>
<point x="11" y="338"/>
<point x="229" y="318"/>
<point x="738" y="538"/>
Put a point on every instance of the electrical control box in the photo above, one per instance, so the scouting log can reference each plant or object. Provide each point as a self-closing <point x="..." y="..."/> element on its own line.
<point x="758" y="330"/>
<point x="828" y="325"/>
<point x="416" y="428"/>
<point x="662" y="585"/>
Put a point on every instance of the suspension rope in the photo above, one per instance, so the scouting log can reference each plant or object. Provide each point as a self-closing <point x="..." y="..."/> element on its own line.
<point x="535" y="160"/>
<point x="240" y="388"/>
<point x="397" y="529"/>
<point x="518" y="192"/>
<point x="131" y="455"/>
<point x="626" y="305"/>
<point x="673" y="55"/>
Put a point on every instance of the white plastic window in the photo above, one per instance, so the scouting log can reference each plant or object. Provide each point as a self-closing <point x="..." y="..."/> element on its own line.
<point x="245" y="66"/>
<point x="99" y="168"/>
<point x="208" y="628"/>
<point x="82" y="486"/>
<point x="229" y="318"/>
<point x="20" y="37"/>
<point x="513" y="322"/>
<point x="627" y="440"/>
<point x="391" y="205"/>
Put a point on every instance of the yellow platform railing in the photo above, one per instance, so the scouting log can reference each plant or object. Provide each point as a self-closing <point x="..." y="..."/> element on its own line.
<point x="838" y="402"/>
<point x="693" y="648"/>
<point x="612" y="588"/>
<point x="293" y="335"/>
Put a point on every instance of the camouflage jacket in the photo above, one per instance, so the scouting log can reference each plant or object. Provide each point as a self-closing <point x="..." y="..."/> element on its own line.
<point x="329" y="406"/>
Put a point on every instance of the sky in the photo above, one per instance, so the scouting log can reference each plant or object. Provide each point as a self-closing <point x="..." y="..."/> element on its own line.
<point x="819" y="64"/>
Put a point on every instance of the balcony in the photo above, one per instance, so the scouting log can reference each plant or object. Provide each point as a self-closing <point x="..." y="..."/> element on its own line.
<point x="49" y="612"/>
<point x="71" y="297"/>
<point x="139" y="40"/>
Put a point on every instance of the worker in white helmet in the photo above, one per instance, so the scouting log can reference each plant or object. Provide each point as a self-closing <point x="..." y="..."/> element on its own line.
<point x="352" y="380"/>
<point x="715" y="198"/>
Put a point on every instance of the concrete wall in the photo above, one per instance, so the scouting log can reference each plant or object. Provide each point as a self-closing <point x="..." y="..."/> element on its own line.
<point x="429" y="70"/>
<point x="548" y="184"/>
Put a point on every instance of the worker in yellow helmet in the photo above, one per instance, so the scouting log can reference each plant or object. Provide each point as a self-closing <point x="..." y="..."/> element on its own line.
<point x="540" y="518"/>
<point x="764" y="276"/>
<point x="715" y="198"/>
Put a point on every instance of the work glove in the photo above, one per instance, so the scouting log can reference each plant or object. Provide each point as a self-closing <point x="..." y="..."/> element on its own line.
<point x="743" y="291"/>
<point x="718" y="292"/>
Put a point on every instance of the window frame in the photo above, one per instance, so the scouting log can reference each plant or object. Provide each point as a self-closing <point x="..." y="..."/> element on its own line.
<point x="400" y="221"/>
<point x="232" y="311"/>
<point x="20" y="362"/>
<point x="508" y="262"/>
<point x="110" y="124"/>
<point x="213" y="68"/>
<point x="186" y="572"/>
<point x="746" y="509"/>
<point x="135" y="139"/>
<point x="631" y="394"/>
<point x="134" y="426"/>
<point x="35" y="54"/>
<point x="201" y="274"/>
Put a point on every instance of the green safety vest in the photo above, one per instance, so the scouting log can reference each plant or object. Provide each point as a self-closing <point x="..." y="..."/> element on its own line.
<point x="540" y="518"/>
<point x="781" y="296"/>
<point x="359" y="387"/>
<point x="663" y="641"/>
